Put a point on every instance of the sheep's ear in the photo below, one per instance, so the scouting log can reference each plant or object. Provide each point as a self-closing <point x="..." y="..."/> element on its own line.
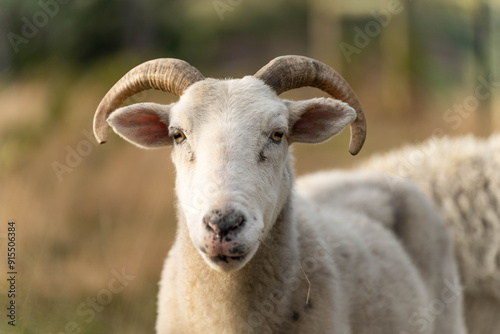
<point x="317" y="120"/>
<point x="142" y="124"/>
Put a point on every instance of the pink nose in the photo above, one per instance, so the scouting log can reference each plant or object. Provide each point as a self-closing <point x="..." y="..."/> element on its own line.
<point x="222" y="223"/>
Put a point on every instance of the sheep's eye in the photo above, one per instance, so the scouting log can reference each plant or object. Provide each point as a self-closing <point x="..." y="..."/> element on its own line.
<point x="179" y="137"/>
<point x="277" y="135"/>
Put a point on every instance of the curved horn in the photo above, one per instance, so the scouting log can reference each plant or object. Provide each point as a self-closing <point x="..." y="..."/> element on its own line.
<point x="165" y="74"/>
<point x="289" y="72"/>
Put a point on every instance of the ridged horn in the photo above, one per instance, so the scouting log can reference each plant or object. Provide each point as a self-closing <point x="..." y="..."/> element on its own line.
<point x="290" y="72"/>
<point x="165" y="74"/>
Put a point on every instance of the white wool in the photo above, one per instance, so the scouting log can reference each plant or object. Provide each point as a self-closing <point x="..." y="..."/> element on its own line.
<point x="462" y="177"/>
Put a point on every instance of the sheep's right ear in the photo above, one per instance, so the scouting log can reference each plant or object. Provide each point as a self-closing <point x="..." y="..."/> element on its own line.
<point x="142" y="124"/>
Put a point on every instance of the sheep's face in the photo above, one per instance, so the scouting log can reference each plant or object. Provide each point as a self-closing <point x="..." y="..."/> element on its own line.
<point x="230" y="141"/>
<point x="232" y="178"/>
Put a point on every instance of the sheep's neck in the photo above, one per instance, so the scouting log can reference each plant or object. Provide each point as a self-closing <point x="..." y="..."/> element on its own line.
<point x="256" y="295"/>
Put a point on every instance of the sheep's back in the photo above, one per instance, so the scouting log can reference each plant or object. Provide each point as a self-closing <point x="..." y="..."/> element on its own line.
<point x="462" y="176"/>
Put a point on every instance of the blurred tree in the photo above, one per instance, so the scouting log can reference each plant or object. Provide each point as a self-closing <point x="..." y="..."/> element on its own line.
<point x="5" y="56"/>
<point x="424" y="52"/>
<point x="494" y="58"/>
<point x="83" y="32"/>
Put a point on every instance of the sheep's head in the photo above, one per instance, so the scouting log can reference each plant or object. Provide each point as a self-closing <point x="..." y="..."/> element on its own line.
<point x="230" y="141"/>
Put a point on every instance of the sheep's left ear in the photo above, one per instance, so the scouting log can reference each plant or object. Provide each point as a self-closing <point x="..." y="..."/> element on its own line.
<point x="317" y="120"/>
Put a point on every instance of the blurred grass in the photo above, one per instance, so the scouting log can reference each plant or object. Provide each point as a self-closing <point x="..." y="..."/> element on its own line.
<point x="116" y="208"/>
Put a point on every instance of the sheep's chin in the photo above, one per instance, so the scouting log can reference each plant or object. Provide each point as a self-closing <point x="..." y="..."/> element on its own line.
<point x="227" y="264"/>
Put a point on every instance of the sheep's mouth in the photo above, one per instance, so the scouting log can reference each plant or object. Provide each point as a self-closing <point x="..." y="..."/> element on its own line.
<point x="227" y="259"/>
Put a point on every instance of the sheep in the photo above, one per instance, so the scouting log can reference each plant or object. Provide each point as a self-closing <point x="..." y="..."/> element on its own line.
<point x="462" y="177"/>
<point x="252" y="254"/>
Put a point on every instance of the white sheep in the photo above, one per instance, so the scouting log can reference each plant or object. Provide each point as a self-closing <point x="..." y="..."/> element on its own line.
<point x="254" y="256"/>
<point x="462" y="176"/>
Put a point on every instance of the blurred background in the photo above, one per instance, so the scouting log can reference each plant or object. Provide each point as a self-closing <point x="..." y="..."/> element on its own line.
<point x="86" y="214"/>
